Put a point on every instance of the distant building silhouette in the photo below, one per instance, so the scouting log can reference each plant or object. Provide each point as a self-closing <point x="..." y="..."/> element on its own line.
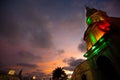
<point x="102" y="37"/>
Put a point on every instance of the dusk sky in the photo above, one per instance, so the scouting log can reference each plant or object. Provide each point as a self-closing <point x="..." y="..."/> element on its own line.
<point x="40" y="35"/>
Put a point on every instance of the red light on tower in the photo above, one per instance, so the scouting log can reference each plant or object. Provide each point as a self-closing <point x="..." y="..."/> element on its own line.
<point x="104" y="25"/>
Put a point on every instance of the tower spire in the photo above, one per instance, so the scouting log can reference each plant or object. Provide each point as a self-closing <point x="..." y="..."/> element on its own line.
<point x="90" y="11"/>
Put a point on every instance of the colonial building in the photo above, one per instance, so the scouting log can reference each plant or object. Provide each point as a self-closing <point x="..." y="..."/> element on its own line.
<point x="102" y="37"/>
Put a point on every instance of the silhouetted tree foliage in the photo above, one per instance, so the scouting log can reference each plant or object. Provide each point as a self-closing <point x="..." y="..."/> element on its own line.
<point x="20" y="75"/>
<point x="59" y="74"/>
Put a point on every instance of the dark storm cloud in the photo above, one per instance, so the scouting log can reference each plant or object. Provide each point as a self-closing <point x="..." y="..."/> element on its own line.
<point x="60" y="51"/>
<point x="10" y="56"/>
<point x="28" y="55"/>
<point x="72" y="62"/>
<point x="27" y="65"/>
<point x="22" y="22"/>
<point x="70" y="68"/>
<point x="82" y="46"/>
<point x="23" y="58"/>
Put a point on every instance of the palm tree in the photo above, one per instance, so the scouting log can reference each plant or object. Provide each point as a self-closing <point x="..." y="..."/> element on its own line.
<point x="59" y="74"/>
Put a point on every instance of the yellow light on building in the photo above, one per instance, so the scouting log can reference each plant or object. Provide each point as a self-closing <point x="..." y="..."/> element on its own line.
<point x="34" y="77"/>
<point x="11" y="72"/>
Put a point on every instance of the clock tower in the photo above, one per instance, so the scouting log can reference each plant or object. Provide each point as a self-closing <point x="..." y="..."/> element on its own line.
<point x="103" y="45"/>
<point x="102" y="38"/>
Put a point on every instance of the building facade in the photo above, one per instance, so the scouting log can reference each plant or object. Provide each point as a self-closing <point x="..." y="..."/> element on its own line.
<point x="102" y="37"/>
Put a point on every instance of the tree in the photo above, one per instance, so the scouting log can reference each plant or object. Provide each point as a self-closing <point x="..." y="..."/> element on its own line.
<point x="59" y="74"/>
<point x="20" y="75"/>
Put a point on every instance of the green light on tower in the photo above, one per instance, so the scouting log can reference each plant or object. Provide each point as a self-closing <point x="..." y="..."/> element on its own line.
<point x="102" y="39"/>
<point x="93" y="47"/>
<point x="89" y="21"/>
<point x="100" y="48"/>
<point x="92" y="37"/>
<point x="86" y="55"/>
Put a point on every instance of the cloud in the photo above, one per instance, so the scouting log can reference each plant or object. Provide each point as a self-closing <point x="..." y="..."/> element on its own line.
<point x="73" y="23"/>
<point x="28" y="55"/>
<point x="10" y="56"/>
<point x="27" y="23"/>
<point x="70" y="68"/>
<point x="112" y="9"/>
<point x="27" y="65"/>
<point x="72" y="63"/>
<point x="60" y="51"/>
<point x="82" y="46"/>
<point x="22" y="23"/>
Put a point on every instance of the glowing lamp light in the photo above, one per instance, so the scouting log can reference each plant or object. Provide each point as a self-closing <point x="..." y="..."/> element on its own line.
<point x="11" y="72"/>
<point x="34" y="77"/>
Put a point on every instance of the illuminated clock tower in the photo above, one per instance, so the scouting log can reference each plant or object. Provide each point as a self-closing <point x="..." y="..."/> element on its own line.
<point x="102" y="38"/>
<point x="103" y="44"/>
